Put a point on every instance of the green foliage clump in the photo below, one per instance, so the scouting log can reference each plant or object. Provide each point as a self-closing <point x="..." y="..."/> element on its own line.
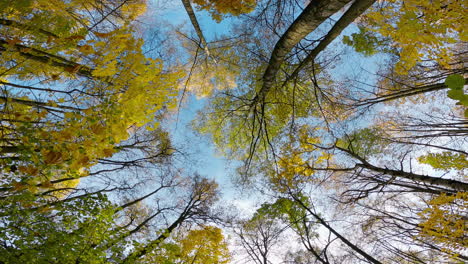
<point x="365" y="142"/>
<point x="364" y="42"/>
<point x="71" y="231"/>
<point x="455" y="83"/>
<point x="445" y="160"/>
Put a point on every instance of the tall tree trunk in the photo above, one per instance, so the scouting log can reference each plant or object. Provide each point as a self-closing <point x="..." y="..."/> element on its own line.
<point x="356" y="9"/>
<point x="47" y="58"/>
<point x="12" y="23"/>
<point x="121" y="207"/>
<point x="342" y="238"/>
<point x="37" y="104"/>
<point x="452" y="185"/>
<point x="154" y="243"/>
<point x="313" y="15"/>
<point x="403" y="93"/>
<point x="196" y="26"/>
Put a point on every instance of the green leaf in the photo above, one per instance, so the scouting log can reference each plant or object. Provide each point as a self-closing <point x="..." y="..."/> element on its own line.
<point x="455" y="94"/>
<point x="464" y="100"/>
<point x="455" y="81"/>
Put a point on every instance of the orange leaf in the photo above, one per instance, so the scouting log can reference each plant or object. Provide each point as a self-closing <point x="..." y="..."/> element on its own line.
<point x="76" y="37"/>
<point x="30" y="170"/>
<point x="18" y="186"/>
<point x="53" y="157"/>
<point x="14" y="41"/>
<point x="46" y="184"/>
<point x="102" y="35"/>
<point x="73" y="69"/>
<point x="108" y="152"/>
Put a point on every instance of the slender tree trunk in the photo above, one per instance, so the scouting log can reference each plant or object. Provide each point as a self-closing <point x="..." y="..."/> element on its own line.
<point x="343" y="239"/>
<point x="453" y="185"/>
<point x="47" y="58"/>
<point x="356" y="9"/>
<point x="9" y="149"/>
<point x="120" y="208"/>
<point x="313" y="15"/>
<point x="12" y="23"/>
<point x="403" y="93"/>
<point x="196" y="26"/>
<point x="37" y="104"/>
<point x="154" y="243"/>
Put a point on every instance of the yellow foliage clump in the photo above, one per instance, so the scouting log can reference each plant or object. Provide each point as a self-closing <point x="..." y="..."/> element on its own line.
<point x="114" y="89"/>
<point x="420" y="29"/>
<point x="295" y="164"/>
<point x="445" y="222"/>
<point x="207" y="244"/>
<point x="218" y="8"/>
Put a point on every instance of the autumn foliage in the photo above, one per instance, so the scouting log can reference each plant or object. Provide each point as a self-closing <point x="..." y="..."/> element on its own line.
<point x="345" y="123"/>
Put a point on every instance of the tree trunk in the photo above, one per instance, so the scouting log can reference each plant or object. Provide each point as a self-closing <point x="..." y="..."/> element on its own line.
<point x="47" y="58"/>
<point x="12" y="23"/>
<point x="358" y="7"/>
<point x="313" y="15"/>
<point x="154" y="243"/>
<point x="196" y="26"/>
<point x="403" y="93"/>
<point x="453" y="185"/>
<point x="37" y="104"/>
<point x="343" y="239"/>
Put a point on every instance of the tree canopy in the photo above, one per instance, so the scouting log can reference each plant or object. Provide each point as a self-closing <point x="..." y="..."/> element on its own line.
<point x="342" y="123"/>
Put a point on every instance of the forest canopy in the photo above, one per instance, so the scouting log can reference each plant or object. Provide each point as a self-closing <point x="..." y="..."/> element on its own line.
<point x="341" y="128"/>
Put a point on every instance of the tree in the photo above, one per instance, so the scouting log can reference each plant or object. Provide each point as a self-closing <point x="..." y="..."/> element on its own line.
<point x="291" y="164"/>
<point x="218" y="8"/>
<point x="444" y="223"/>
<point x="258" y="236"/>
<point x="89" y="228"/>
<point x="312" y="16"/>
<point x="424" y="38"/>
<point x="106" y="99"/>
<point x="68" y="232"/>
<point x="202" y="245"/>
<point x="101" y="102"/>
<point x="203" y="193"/>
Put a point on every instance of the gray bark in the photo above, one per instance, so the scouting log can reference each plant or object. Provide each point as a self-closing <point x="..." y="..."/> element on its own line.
<point x="196" y="26"/>
<point x="452" y="185"/>
<point x="404" y="93"/>
<point x="313" y="15"/>
<point x="356" y="9"/>
<point x="456" y="186"/>
<point x="338" y="235"/>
